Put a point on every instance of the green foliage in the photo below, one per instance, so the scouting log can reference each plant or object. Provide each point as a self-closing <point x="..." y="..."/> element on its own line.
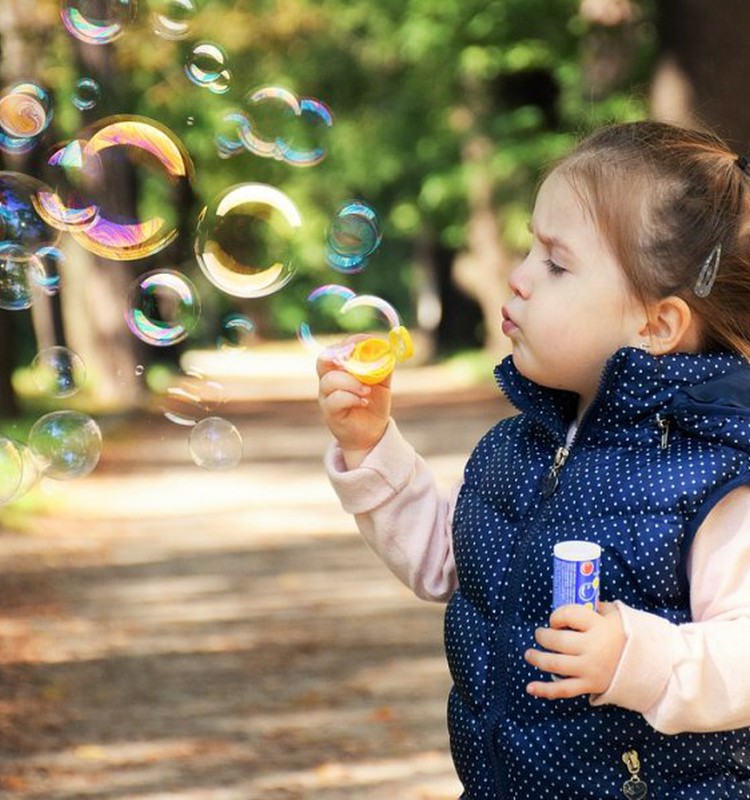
<point x="414" y="86"/>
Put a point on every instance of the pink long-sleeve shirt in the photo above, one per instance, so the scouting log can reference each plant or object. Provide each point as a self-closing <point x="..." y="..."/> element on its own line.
<point x="689" y="677"/>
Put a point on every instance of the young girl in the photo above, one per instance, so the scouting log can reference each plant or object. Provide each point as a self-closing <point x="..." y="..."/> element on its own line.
<point x="630" y="326"/>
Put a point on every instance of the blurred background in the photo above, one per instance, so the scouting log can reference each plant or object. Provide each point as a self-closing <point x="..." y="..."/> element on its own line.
<point x="148" y="286"/>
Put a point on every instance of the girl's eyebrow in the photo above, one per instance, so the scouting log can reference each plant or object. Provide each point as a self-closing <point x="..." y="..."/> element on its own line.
<point x="550" y="241"/>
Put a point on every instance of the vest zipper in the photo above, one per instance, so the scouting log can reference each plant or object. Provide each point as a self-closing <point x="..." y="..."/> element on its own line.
<point x="663" y="425"/>
<point x="551" y="479"/>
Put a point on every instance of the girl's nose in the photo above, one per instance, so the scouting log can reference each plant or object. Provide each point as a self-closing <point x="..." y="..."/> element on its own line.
<point x="519" y="280"/>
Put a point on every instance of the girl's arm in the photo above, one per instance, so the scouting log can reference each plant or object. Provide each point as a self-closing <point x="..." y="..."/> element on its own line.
<point x="693" y="677"/>
<point x="400" y="513"/>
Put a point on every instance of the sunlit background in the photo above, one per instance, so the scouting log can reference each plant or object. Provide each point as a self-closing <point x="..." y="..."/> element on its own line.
<point x="197" y="197"/>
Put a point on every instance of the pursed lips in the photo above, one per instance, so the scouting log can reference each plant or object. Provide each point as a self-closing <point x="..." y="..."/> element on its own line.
<point x="509" y="325"/>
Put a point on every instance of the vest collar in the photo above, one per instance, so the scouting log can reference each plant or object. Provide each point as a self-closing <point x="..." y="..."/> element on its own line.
<point x="634" y="386"/>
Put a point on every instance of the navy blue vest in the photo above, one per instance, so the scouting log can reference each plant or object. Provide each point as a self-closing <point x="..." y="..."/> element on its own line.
<point x="663" y="441"/>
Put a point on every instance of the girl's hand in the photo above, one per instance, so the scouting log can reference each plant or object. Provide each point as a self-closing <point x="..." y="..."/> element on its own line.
<point x="356" y="414"/>
<point x="583" y="648"/>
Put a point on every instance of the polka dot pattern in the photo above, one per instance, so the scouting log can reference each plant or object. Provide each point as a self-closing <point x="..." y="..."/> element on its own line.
<point x="637" y="499"/>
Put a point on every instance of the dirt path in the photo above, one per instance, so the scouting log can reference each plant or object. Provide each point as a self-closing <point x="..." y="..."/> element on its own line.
<point x="176" y="633"/>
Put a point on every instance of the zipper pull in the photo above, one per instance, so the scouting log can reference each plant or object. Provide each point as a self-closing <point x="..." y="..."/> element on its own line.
<point x="550" y="480"/>
<point x="663" y="425"/>
<point x="634" y="787"/>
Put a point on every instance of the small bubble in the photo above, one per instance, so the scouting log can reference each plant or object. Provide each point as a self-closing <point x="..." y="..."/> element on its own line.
<point x="172" y="19"/>
<point x="58" y="371"/>
<point x="25" y="110"/>
<point x="237" y="330"/>
<point x="206" y="67"/>
<point x="163" y="308"/>
<point x="354" y="234"/>
<point x="215" y="444"/>
<point x="86" y="94"/>
<point x="65" y="444"/>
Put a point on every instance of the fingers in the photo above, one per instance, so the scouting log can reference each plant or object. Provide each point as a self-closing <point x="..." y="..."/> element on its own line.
<point x="561" y="641"/>
<point x="341" y="391"/>
<point x="574" y="617"/>
<point x="554" y="690"/>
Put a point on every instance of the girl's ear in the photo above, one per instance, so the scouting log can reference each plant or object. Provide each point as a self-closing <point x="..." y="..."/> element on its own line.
<point x="671" y="327"/>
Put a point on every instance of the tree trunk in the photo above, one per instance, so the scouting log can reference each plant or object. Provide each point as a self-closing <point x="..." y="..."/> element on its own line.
<point x="24" y="32"/>
<point x="701" y="77"/>
<point x="482" y="269"/>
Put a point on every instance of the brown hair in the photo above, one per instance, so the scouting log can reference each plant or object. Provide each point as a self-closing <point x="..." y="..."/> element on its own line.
<point x="664" y="197"/>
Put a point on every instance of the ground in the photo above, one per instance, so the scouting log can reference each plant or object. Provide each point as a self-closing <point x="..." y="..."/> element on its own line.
<point x="168" y="632"/>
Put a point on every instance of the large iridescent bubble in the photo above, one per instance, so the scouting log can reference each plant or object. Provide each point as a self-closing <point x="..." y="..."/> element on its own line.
<point x="246" y="239"/>
<point x="84" y="204"/>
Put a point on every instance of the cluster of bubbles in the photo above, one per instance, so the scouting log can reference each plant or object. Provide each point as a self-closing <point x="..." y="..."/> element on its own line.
<point x="276" y="123"/>
<point x="245" y="245"/>
<point x="61" y="445"/>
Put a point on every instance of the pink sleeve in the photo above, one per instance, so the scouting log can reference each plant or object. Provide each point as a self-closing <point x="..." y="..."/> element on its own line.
<point x="692" y="677"/>
<point x="400" y="513"/>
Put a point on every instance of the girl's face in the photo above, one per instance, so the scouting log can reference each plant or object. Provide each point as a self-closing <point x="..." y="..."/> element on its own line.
<point x="572" y="307"/>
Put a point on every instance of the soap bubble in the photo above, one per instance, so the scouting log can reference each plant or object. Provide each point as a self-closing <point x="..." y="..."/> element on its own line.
<point x="215" y="444"/>
<point x="11" y="469"/>
<point x="65" y="444"/>
<point x="163" y="307"/>
<point x="330" y="298"/>
<point x="25" y="110"/>
<point x="192" y="398"/>
<point x="92" y="213"/>
<point x="229" y="137"/>
<point x="15" y="146"/>
<point x="20" y="272"/>
<point x="371" y="358"/>
<point x="354" y="234"/>
<point x="271" y="111"/>
<point x="245" y="240"/>
<point x="68" y="207"/>
<point x="97" y="21"/>
<point x="29" y="472"/>
<point x="58" y="371"/>
<point x="285" y="127"/>
<point x="47" y="278"/>
<point x="237" y="330"/>
<point x="302" y="148"/>
<point x="172" y="19"/>
<point x="86" y="94"/>
<point x="20" y="222"/>
<point x="206" y="67"/>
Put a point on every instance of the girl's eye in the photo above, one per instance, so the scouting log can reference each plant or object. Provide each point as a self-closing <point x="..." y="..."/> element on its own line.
<point x="553" y="268"/>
